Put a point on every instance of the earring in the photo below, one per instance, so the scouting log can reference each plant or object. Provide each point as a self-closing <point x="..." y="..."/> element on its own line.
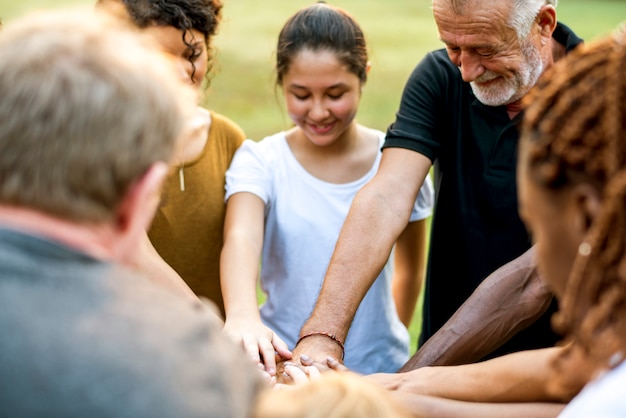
<point x="584" y="249"/>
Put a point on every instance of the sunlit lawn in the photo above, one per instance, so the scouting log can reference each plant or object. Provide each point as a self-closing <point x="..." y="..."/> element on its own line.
<point x="399" y="33"/>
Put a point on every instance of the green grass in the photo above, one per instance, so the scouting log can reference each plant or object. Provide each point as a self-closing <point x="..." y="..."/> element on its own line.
<point x="399" y="33"/>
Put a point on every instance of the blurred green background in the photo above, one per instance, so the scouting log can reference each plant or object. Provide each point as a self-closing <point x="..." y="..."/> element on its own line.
<point x="399" y="33"/>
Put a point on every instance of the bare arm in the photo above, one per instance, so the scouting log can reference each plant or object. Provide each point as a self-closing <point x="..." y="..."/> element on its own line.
<point x="507" y="301"/>
<point x="515" y="385"/>
<point x="523" y="376"/>
<point x="409" y="269"/>
<point x="379" y="213"/>
<point x="239" y="269"/>
<point x="432" y="407"/>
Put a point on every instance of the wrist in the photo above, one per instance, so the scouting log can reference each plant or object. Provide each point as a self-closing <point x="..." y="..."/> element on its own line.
<point x="243" y="314"/>
<point x="324" y="335"/>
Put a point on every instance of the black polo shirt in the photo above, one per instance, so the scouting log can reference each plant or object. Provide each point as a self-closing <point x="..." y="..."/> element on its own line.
<point x="476" y="227"/>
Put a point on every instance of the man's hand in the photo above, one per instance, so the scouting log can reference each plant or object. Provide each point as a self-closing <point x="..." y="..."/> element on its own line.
<point x="318" y="347"/>
<point x="314" y="350"/>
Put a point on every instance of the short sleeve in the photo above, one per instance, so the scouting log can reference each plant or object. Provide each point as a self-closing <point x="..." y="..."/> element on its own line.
<point x="249" y="172"/>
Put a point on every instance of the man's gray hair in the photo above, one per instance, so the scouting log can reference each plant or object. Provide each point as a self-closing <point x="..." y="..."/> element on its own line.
<point x="86" y="108"/>
<point x="524" y="13"/>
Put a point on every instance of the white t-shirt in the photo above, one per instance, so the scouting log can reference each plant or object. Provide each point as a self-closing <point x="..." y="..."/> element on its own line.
<point x="303" y="218"/>
<point x="603" y="397"/>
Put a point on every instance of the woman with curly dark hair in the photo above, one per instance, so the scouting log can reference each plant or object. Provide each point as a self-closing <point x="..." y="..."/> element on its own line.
<point x="187" y="229"/>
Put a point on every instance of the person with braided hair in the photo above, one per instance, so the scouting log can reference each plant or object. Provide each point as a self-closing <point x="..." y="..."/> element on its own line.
<point x="572" y="190"/>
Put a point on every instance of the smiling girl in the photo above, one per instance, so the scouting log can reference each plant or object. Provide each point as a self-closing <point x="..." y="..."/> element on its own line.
<point x="289" y="194"/>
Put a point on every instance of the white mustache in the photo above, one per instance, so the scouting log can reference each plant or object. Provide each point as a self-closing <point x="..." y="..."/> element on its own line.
<point x="488" y="76"/>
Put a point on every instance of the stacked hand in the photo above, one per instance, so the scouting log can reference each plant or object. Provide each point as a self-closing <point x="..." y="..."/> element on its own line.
<point x="290" y="373"/>
<point x="260" y="343"/>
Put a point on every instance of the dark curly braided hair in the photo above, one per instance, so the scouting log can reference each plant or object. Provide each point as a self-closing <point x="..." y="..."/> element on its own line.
<point x="574" y="131"/>
<point x="185" y="15"/>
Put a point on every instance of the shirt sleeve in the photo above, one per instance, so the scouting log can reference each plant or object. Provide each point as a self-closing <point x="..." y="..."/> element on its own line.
<point x="421" y="116"/>
<point x="249" y="172"/>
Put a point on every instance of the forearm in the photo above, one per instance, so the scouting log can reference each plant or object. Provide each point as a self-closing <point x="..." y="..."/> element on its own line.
<point x="361" y="252"/>
<point x="239" y="269"/>
<point x="379" y="213"/>
<point x="518" y="377"/>
<point x="506" y="302"/>
<point x="240" y="256"/>
<point x="432" y="407"/>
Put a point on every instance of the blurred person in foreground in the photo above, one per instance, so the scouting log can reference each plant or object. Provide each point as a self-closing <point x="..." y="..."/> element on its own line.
<point x="89" y="119"/>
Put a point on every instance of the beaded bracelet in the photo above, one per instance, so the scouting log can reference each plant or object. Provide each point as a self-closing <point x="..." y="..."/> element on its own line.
<point x="329" y="335"/>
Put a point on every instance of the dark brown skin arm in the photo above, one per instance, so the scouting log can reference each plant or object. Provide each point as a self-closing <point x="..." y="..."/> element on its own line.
<point x="507" y="301"/>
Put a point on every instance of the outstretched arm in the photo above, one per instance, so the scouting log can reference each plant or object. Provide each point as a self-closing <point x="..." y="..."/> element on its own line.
<point x="433" y="407"/>
<point x="518" y="384"/>
<point x="523" y="376"/>
<point x="379" y="213"/>
<point x="239" y="267"/>
<point x="507" y="301"/>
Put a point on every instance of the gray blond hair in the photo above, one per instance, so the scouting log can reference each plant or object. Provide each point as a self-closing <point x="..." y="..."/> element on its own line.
<point x="86" y="109"/>
<point x="523" y="12"/>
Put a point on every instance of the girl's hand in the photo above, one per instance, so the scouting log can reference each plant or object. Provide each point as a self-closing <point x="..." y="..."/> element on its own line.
<point x="258" y="341"/>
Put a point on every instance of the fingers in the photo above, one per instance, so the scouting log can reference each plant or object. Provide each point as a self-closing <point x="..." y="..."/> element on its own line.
<point x="281" y="347"/>
<point x="313" y="372"/>
<point x="271" y="351"/>
<point x="302" y="375"/>
<point x="263" y="351"/>
<point x="269" y="355"/>
<point x="306" y="360"/>
<point x="298" y="375"/>
<point x="269" y="379"/>
<point x="336" y="365"/>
